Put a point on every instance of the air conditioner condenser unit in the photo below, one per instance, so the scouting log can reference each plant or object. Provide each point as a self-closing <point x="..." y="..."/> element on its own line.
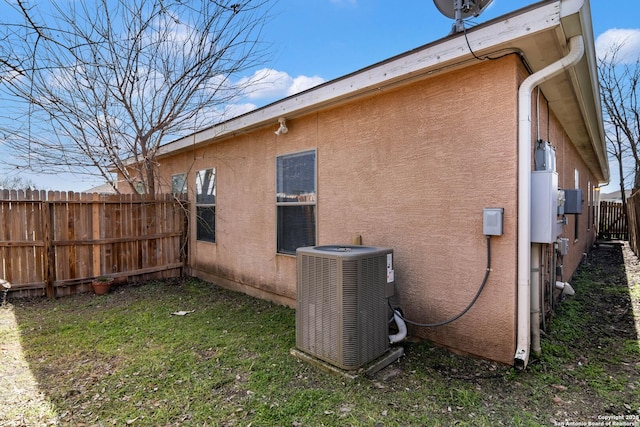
<point x="341" y="303"/>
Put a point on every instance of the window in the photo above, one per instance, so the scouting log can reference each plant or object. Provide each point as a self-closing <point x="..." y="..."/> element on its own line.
<point x="594" y="205"/>
<point x="589" y="202"/>
<point x="206" y="205"/>
<point x="179" y="183"/>
<point x="296" y="201"/>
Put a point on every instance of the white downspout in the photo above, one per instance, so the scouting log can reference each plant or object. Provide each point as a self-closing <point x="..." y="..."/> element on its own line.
<point x="535" y="298"/>
<point x="576" y="50"/>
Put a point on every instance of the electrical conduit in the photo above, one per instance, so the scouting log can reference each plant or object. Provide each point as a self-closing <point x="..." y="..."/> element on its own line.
<point x="576" y="50"/>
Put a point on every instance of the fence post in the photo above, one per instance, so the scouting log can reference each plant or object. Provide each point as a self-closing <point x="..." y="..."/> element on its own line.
<point x="95" y="219"/>
<point x="632" y="204"/>
<point x="49" y="251"/>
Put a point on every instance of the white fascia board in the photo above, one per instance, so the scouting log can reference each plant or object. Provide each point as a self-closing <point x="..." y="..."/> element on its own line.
<point x="595" y="123"/>
<point x="484" y="39"/>
<point x="576" y="20"/>
<point x="571" y="7"/>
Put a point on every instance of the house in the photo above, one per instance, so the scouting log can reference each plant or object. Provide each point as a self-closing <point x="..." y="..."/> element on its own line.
<point x="106" y="188"/>
<point x="407" y="154"/>
<point x="615" y="196"/>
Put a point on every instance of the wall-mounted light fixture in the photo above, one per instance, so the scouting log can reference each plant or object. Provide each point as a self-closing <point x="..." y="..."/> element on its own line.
<point x="283" y="126"/>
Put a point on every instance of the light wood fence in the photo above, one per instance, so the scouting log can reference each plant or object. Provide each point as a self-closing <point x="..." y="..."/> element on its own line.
<point x="55" y="243"/>
<point x="633" y="214"/>
<point x="613" y="221"/>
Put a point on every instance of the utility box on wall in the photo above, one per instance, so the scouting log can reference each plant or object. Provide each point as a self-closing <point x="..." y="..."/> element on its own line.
<point x="563" y="246"/>
<point x="573" y="201"/>
<point x="544" y="207"/>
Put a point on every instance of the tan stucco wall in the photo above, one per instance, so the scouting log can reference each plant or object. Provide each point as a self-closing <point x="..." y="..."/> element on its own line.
<point x="411" y="169"/>
<point x="418" y="166"/>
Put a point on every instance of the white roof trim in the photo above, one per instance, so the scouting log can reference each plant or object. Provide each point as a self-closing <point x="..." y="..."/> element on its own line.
<point x="426" y="60"/>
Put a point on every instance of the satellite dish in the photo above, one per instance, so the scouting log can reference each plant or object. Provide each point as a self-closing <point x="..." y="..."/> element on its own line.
<point x="461" y="9"/>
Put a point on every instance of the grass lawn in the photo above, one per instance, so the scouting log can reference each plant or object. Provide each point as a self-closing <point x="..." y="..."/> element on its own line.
<point x="124" y="359"/>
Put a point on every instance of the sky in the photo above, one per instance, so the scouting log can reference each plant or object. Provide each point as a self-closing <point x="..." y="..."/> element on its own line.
<point x="313" y="41"/>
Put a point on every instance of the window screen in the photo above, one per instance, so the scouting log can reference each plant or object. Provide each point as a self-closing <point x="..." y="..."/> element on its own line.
<point x="296" y="201"/>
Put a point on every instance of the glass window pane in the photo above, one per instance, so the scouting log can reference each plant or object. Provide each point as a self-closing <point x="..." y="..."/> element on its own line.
<point x="206" y="223"/>
<point x="140" y="187"/>
<point x="206" y="186"/>
<point x="296" y="227"/>
<point x="296" y="180"/>
<point x="179" y="183"/>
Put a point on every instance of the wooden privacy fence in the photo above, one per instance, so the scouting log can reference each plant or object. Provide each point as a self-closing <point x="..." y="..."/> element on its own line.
<point x="613" y="221"/>
<point x="633" y="214"/>
<point x="55" y="243"/>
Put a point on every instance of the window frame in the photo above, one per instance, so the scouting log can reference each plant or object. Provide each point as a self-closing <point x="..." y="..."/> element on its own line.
<point x="205" y="206"/>
<point x="589" y="219"/>
<point x="313" y="204"/>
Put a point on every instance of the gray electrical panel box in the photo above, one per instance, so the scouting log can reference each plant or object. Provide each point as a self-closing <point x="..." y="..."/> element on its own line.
<point x="492" y="221"/>
<point x="544" y="156"/>
<point x="563" y="246"/>
<point x="561" y="202"/>
<point x="573" y="201"/>
<point x="544" y="207"/>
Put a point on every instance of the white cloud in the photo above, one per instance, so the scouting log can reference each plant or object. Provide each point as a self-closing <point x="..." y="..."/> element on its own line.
<point x="267" y="83"/>
<point x="302" y="83"/>
<point x="235" y="110"/>
<point x="262" y="87"/>
<point x="625" y="43"/>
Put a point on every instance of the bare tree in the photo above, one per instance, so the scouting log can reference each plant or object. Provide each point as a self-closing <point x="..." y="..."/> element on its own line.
<point x="619" y="89"/>
<point x="97" y="86"/>
<point x="15" y="183"/>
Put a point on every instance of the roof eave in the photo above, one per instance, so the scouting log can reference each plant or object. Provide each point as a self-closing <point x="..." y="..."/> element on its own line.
<point x="439" y="56"/>
<point x="528" y="31"/>
<point x="584" y="78"/>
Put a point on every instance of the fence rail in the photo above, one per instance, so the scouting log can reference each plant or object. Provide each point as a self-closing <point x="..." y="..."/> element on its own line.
<point x="55" y="243"/>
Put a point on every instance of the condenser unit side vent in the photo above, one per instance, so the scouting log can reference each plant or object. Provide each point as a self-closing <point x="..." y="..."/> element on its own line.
<point x="319" y="306"/>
